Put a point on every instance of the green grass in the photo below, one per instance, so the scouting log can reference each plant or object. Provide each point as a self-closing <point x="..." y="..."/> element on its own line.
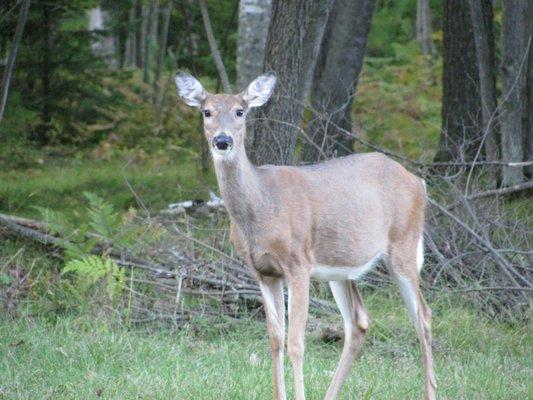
<point x="81" y="359"/>
<point x="60" y="185"/>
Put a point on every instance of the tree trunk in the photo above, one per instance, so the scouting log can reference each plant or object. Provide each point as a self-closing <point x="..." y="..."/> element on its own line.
<point x="335" y="79"/>
<point x="147" y="41"/>
<point x="294" y="37"/>
<point x="192" y="42"/>
<point x="131" y="41"/>
<point x="484" y="41"/>
<point x="6" y="79"/>
<point x="529" y="94"/>
<point x="214" y="47"/>
<point x="461" y="105"/>
<point x="254" y="17"/>
<point x="142" y="10"/>
<point x="162" y="47"/>
<point x="42" y="130"/>
<point x="105" y="46"/>
<point x="423" y="27"/>
<point x="514" y="62"/>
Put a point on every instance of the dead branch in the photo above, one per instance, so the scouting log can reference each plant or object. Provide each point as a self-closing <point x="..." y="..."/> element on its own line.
<point x="222" y="281"/>
<point x="214" y="47"/>
<point x="502" y="191"/>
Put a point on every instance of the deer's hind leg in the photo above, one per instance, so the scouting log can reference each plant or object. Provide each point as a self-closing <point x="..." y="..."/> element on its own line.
<point x="356" y="323"/>
<point x="405" y="262"/>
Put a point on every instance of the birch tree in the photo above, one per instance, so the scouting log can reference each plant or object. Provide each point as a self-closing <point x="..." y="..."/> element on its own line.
<point x="254" y="18"/>
<point x="423" y="27"/>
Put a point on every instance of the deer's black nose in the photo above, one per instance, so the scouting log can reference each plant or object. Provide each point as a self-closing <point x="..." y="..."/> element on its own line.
<point x="222" y="142"/>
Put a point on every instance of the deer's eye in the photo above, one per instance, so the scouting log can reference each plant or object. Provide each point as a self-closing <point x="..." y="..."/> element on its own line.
<point x="207" y="113"/>
<point x="239" y="113"/>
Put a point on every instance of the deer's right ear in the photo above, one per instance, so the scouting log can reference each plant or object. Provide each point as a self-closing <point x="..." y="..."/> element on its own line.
<point x="190" y="90"/>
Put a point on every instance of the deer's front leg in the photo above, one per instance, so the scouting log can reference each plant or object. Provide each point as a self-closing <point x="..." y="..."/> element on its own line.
<point x="298" y="285"/>
<point x="274" y="304"/>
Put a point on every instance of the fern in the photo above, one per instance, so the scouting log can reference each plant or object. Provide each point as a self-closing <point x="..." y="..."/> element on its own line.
<point x="110" y="227"/>
<point x="103" y="218"/>
<point x="56" y="222"/>
<point x="91" y="269"/>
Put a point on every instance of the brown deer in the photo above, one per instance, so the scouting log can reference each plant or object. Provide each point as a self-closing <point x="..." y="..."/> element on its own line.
<point x="330" y="221"/>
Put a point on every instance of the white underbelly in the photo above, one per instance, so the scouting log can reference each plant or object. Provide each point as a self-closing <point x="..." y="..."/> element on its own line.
<point x="337" y="273"/>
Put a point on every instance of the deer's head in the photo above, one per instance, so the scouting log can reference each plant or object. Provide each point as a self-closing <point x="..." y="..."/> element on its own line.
<point x="225" y="114"/>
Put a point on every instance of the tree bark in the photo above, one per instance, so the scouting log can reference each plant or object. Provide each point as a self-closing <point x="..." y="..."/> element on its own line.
<point x="142" y="11"/>
<point x="484" y="41"/>
<point x="461" y="105"/>
<point x="162" y="47"/>
<point x="514" y="62"/>
<point x="529" y="94"/>
<point x="42" y="130"/>
<point x="214" y="47"/>
<point x="131" y="41"/>
<point x="423" y="27"/>
<point x="6" y="79"/>
<point x="254" y="17"/>
<point x="147" y="41"/>
<point x="105" y="46"/>
<point x="294" y="37"/>
<point x="335" y="79"/>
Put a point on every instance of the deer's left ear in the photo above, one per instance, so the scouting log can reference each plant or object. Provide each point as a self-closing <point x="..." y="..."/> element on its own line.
<point x="259" y="91"/>
<point x="190" y="90"/>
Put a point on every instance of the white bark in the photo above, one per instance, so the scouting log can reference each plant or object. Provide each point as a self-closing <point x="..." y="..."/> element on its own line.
<point x="104" y="46"/>
<point x="423" y="26"/>
<point x="254" y="17"/>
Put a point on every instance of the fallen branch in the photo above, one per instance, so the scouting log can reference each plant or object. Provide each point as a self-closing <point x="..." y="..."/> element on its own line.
<point x="502" y="191"/>
<point x="221" y="281"/>
<point x="214" y="203"/>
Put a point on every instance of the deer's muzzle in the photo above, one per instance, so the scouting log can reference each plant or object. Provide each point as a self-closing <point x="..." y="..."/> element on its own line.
<point x="223" y="142"/>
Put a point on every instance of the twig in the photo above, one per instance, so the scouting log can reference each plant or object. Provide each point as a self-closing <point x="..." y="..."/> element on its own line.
<point x="502" y="191"/>
<point x="505" y="288"/>
<point x="504" y="264"/>
<point x="214" y="47"/>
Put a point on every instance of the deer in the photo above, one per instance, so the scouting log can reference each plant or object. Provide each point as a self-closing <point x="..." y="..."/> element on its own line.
<point x="331" y="221"/>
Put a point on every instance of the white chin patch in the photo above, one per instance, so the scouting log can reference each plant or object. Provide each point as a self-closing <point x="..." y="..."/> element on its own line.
<point x="222" y="154"/>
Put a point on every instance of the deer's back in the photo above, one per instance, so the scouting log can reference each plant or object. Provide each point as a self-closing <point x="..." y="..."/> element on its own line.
<point x="345" y="211"/>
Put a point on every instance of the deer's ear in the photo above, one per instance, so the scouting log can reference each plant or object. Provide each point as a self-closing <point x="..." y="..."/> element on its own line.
<point x="190" y="90"/>
<point x="259" y="91"/>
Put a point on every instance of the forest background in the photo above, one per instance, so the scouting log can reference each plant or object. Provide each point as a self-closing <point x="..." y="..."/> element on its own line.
<point x="114" y="250"/>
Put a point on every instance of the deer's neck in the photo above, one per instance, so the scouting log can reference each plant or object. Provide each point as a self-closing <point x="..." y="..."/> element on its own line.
<point x="240" y="187"/>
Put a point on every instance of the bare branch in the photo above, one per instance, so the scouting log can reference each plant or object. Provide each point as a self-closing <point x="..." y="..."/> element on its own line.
<point x="214" y="47"/>
<point x="6" y="80"/>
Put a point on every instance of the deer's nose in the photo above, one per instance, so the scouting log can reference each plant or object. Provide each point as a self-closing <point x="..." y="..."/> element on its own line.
<point x="222" y="141"/>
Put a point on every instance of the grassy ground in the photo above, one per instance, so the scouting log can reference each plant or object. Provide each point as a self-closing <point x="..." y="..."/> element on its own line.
<point x="83" y="359"/>
<point x="60" y="185"/>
